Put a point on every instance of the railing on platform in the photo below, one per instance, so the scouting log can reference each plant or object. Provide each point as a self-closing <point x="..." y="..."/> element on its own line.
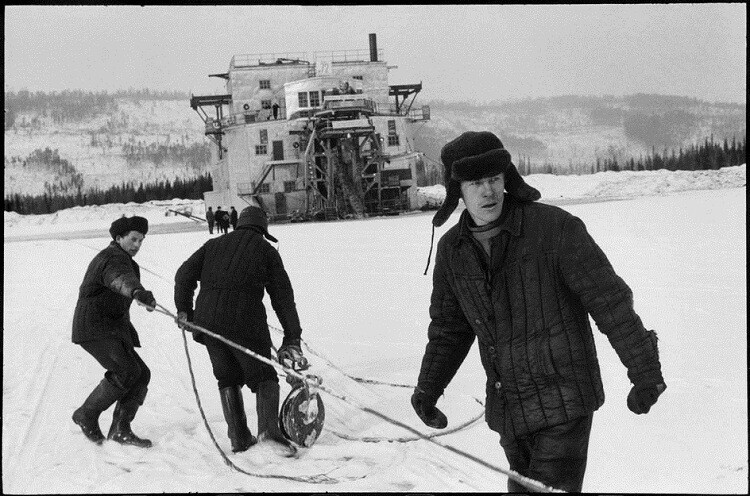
<point x="256" y="59"/>
<point x="347" y="55"/>
<point x="295" y="58"/>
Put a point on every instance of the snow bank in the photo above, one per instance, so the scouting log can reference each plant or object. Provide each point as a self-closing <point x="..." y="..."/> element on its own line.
<point x="625" y="184"/>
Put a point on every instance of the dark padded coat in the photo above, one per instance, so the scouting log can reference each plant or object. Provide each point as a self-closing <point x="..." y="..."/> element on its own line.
<point x="234" y="270"/>
<point x="529" y="309"/>
<point x="105" y="296"/>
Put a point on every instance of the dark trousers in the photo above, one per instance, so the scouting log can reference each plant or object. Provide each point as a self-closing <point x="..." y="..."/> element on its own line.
<point x="210" y="228"/>
<point x="555" y="456"/>
<point x="125" y="369"/>
<point x="233" y="367"/>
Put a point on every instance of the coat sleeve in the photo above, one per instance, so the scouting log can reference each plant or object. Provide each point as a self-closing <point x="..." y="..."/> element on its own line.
<point x="449" y="335"/>
<point x="186" y="280"/>
<point x="119" y="276"/>
<point x="609" y="300"/>
<point x="279" y="288"/>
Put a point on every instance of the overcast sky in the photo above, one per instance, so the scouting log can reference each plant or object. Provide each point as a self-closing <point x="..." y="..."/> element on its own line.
<point x="478" y="53"/>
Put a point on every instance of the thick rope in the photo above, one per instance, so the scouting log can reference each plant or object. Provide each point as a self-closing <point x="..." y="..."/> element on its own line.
<point x="318" y="478"/>
<point x="530" y="484"/>
<point x="362" y="380"/>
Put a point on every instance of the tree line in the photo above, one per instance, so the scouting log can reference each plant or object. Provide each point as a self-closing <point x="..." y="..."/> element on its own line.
<point x="709" y="155"/>
<point x="195" y="156"/>
<point x="52" y="201"/>
<point x="75" y="105"/>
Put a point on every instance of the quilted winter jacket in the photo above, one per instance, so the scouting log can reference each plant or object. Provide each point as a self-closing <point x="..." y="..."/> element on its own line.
<point x="105" y="296"/>
<point x="529" y="310"/>
<point x="234" y="270"/>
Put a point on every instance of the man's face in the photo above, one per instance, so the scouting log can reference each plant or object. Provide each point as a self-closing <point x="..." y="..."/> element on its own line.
<point x="484" y="198"/>
<point x="130" y="242"/>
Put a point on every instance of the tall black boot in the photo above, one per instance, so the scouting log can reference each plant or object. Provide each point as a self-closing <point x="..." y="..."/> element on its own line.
<point x="267" y="406"/>
<point x="87" y="415"/>
<point x="234" y="413"/>
<point x="125" y="411"/>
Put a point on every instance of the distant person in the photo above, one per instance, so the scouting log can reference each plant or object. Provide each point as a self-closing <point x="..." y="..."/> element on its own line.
<point x="523" y="278"/>
<point x="219" y="216"/>
<point x="233" y="271"/>
<point x="210" y="220"/>
<point x="233" y="218"/>
<point x="102" y="327"/>
<point x="275" y="109"/>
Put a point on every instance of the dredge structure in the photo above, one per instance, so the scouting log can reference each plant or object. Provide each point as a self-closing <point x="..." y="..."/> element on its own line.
<point x="322" y="136"/>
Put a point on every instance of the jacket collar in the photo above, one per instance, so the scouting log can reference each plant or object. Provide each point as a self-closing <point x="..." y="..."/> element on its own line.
<point x="512" y="223"/>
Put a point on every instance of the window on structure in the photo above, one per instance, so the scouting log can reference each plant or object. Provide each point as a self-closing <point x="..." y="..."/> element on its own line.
<point x="393" y="140"/>
<point x="264" y="188"/>
<point x="263" y="136"/>
<point x="289" y="186"/>
<point x="314" y="99"/>
<point x="266" y="104"/>
<point x="391" y="127"/>
<point x="265" y="84"/>
<point x="302" y="98"/>
<point x="261" y="149"/>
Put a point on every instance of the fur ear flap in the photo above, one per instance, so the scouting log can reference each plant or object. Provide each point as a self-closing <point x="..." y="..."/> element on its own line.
<point x="452" y="195"/>
<point x="517" y="187"/>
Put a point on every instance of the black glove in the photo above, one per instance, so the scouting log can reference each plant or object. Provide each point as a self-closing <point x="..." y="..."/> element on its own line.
<point x="424" y="405"/>
<point x="642" y="398"/>
<point x="290" y="356"/>
<point x="183" y="317"/>
<point x="146" y="297"/>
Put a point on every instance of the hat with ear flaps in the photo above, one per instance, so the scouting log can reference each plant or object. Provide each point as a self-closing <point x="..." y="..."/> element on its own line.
<point x="476" y="155"/>
<point x="253" y="217"/>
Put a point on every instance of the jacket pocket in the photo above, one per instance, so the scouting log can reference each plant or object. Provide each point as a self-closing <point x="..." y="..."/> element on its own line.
<point x="546" y="344"/>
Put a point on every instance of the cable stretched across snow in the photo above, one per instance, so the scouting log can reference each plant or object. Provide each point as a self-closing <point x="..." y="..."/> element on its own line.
<point x="531" y="484"/>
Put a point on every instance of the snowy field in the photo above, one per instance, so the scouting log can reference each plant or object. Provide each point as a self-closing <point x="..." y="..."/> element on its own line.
<point x="678" y="239"/>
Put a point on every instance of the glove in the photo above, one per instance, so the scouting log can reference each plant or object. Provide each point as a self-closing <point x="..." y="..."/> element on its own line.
<point x="290" y="356"/>
<point x="145" y="297"/>
<point x="424" y="405"/>
<point x="642" y="398"/>
<point x="183" y="317"/>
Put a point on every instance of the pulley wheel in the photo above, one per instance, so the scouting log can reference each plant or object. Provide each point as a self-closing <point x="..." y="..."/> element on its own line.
<point x="302" y="415"/>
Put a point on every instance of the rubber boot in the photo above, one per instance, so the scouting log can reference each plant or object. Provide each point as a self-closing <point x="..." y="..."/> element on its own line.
<point x="234" y="413"/>
<point x="125" y="411"/>
<point x="267" y="406"/>
<point x="87" y="415"/>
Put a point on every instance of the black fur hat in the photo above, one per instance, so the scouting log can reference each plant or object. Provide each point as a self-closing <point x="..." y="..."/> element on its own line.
<point x="253" y="216"/>
<point x="124" y="225"/>
<point x="476" y="155"/>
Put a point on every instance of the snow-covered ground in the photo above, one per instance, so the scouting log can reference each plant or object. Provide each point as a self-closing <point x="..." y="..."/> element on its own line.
<point x="678" y="239"/>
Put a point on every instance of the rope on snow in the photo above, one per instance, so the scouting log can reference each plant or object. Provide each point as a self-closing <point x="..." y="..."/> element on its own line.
<point x="527" y="482"/>
<point x="530" y="484"/>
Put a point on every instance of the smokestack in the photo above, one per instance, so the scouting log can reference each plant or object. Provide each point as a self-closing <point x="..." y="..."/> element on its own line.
<point x="373" y="48"/>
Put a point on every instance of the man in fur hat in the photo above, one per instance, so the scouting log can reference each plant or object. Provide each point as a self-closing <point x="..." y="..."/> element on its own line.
<point x="102" y="327"/>
<point x="523" y="277"/>
<point x="234" y="270"/>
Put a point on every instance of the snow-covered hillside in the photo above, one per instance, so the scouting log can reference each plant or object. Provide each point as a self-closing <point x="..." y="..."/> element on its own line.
<point x="363" y="305"/>
<point x="94" y="147"/>
<point x="569" y="133"/>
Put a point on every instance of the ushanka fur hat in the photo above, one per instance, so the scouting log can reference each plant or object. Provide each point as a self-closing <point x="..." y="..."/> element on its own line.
<point x="255" y="217"/>
<point x="476" y="155"/>
<point x="124" y="225"/>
